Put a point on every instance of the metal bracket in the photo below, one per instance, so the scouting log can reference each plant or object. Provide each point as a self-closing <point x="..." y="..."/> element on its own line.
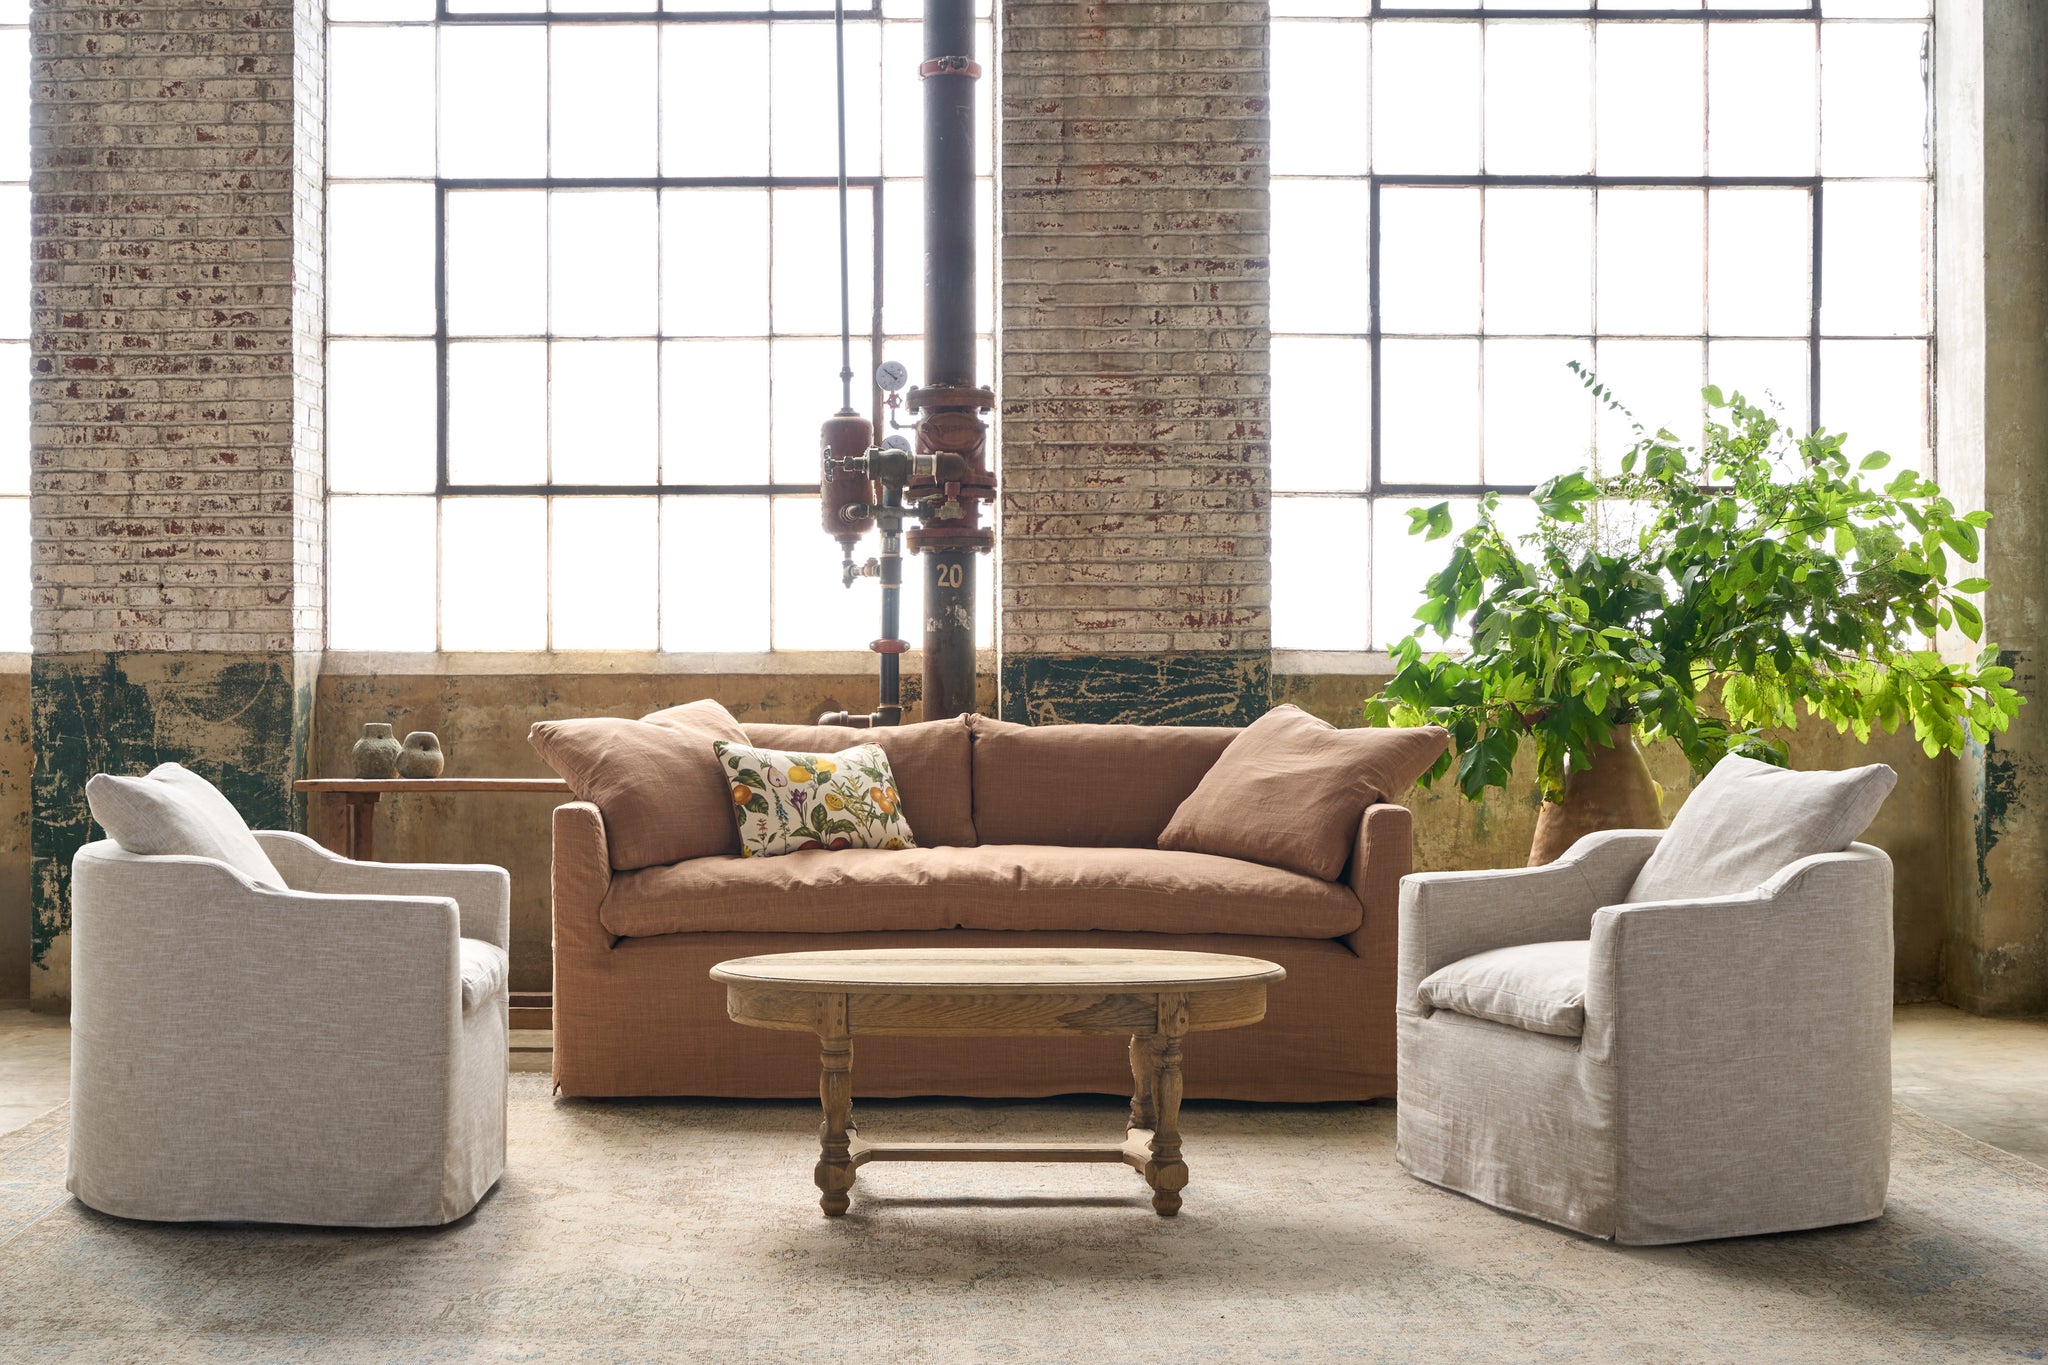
<point x="951" y="66"/>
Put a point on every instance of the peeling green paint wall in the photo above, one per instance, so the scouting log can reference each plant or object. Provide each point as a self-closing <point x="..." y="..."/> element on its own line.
<point x="238" y="719"/>
<point x="16" y="759"/>
<point x="1223" y="687"/>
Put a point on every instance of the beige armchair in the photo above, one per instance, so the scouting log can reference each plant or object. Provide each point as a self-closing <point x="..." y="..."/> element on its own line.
<point x="1655" y="1072"/>
<point x="331" y="1052"/>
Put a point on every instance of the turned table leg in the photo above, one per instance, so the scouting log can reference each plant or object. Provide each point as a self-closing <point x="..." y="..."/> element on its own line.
<point x="1166" y="1173"/>
<point x="835" y="1170"/>
<point x="1143" y="1106"/>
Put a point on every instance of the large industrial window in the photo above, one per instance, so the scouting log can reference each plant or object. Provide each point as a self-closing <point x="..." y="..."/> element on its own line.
<point x="583" y="316"/>
<point x="14" y="357"/>
<point x="1674" y="195"/>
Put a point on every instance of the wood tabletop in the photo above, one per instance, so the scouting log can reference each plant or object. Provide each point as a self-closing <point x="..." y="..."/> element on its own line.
<point x="430" y="784"/>
<point x="1023" y="971"/>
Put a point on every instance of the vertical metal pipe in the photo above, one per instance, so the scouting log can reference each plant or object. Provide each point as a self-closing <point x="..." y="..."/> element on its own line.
<point x="948" y="198"/>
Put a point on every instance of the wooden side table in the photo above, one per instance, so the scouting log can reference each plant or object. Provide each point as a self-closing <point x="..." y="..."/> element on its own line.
<point x="1153" y="997"/>
<point x="358" y="837"/>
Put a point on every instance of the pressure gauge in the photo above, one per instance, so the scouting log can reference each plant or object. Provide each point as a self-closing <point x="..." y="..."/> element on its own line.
<point x="896" y="440"/>
<point x="891" y="375"/>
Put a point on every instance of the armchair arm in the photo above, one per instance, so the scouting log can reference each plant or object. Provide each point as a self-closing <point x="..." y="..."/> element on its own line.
<point x="1446" y="916"/>
<point x="582" y="876"/>
<point x="483" y="892"/>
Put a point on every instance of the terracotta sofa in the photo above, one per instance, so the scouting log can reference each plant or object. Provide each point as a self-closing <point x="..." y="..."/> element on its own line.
<point x="1059" y="852"/>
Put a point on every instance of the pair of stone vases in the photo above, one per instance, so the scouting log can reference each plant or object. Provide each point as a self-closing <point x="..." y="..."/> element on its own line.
<point x="379" y="755"/>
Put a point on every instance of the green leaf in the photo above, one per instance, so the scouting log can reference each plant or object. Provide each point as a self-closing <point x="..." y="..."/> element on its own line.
<point x="1972" y="585"/>
<point x="1876" y="459"/>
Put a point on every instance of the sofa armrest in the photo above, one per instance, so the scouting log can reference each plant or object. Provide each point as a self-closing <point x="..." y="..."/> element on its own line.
<point x="582" y="875"/>
<point x="1446" y="916"/>
<point x="1384" y="854"/>
<point x="483" y="892"/>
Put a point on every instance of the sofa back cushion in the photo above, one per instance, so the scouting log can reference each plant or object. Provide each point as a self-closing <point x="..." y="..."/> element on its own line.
<point x="657" y="782"/>
<point x="174" y="810"/>
<point x="1747" y="821"/>
<point x="930" y="761"/>
<point x="1086" y="786"/>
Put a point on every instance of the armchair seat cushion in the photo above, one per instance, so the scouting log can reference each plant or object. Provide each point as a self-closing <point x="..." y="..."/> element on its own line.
<point x="485" y="970"/>
<point x="1540" y="987"/>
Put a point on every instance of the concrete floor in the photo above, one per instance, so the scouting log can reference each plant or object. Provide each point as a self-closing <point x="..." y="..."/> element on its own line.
<point x="1987" y="1077"/>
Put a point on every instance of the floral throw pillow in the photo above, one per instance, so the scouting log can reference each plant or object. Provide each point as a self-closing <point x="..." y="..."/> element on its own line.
<point x="785" y="802"/>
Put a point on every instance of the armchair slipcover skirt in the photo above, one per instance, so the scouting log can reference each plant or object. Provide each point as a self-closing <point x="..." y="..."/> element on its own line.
<point x="333" y="1053"/>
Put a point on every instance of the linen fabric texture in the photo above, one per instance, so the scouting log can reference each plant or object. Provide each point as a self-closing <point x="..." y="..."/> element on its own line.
<point x="1086" y="786"/>
<point x="1679" y="1112"/>
<point x="1536" y="986"/>
<point x="1746" y="820"/>
<point x="1289" y="790"/>
<point x="174" y="810"/>
<point x="210" y="1080"/>
<point x="787" y="802"/>
<point x="657" y="782"/>
<point x="929" y="757"/>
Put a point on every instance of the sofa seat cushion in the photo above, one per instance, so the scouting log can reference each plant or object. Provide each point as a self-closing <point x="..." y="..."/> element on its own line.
<point x="485" y="970"/>
<point x="994" y="886"/>
<point x="1540" y="987"/>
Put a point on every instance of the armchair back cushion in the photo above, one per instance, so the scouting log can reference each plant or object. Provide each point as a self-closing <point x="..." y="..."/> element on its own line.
<point x="1290" y="789"/>
<point x="657" y="783"/>
<point x="1087" y="786"/>
<point x="1747" y="820"/>
<point x="929" y="758"/>
<point x="176" y="811"/>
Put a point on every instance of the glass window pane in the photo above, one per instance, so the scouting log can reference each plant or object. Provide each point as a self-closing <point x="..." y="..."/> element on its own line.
<point x="497" y="262"/>
<point x="1770" y="374"/>
<point x="903" y="258"/>
<point x="381" y="416"/>
<point x="1429" y="260"/>
<point x="1321" y="255"/>
<point x="1876" y="391"/>
<point x="1321" y="564"/>
<point x="714" y="262"/>
<point x="14" y="417"/>
<point x="1759" y="262"/>
<point x="1425" y="97"/>
<point x="812" y="609"/>
<point x="1322" y="405"/>
<point x="14" y="69"/>
<point x="494" y="573"/>
<point x="714" y="590"/>
<point x="1429" y="412"/>
<point x="1760" y="99"/>
<point x="805" y="273"/>
<point x="1875" y="9"/>
<point x="1873" y="99"/>
<point x="603" y="262"/>
<point x="803" y="114"/>
<point x="1650" y="248"/>
<point x="603" y="415"/>
<point x="1335" y="9"/>
<point x="498" y="412"/>
<point x="1658" y="382"/>
<point x="15" y="572"/>
<point x="984" y="101"/>
<point x="606" y="574"/>
<point x="1539" y="261"/>
<point x="1319" y="123"/>
<point x="380" y="573"/>
<point x="494" y="118"/>
<point x="380" y="259"/>
<point x="1539" y="98"/>
<point x="1539" y="415"/>
<point x="14" y="284"/>
<point x="714" y="99"/>
<point x="1651" y="99"/>
<point x="355" y="11"/>
<point x="1403" y="563"/>
<point x="1874" y="259"/>
<point x="714" y="411"/>
<point x="380" y="101"/>
<point x="601" y="102"/>
<point x="903" y="100"/>
<point x="805" y="375"/>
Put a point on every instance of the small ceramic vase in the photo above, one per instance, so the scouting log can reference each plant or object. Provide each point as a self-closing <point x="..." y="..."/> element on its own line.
<point x="376" y="753"/>
<point x="422" y="756"/>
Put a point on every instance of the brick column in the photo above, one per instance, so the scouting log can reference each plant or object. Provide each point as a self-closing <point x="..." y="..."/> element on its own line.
<point x="177" y="473"/>
<point x="1135" y="560"/>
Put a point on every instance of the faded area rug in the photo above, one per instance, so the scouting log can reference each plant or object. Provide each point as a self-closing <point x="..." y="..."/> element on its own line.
<point x="628" y="1231"/>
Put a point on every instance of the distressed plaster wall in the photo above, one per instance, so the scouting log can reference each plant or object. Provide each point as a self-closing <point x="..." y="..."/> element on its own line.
<point x="16" y="758"/>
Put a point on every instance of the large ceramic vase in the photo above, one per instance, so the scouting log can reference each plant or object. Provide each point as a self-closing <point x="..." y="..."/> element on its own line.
<point x="1617" y="792"/>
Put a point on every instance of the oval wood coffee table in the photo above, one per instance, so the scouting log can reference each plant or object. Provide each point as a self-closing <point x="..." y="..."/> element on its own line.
<point x="1154" y="997"/>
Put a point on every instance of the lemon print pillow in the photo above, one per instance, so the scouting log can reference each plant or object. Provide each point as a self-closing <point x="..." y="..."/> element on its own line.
<point x="787" y="802"/>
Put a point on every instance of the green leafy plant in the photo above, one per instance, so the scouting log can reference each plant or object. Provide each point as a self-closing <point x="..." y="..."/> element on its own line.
<point x="1702" y="596"/>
